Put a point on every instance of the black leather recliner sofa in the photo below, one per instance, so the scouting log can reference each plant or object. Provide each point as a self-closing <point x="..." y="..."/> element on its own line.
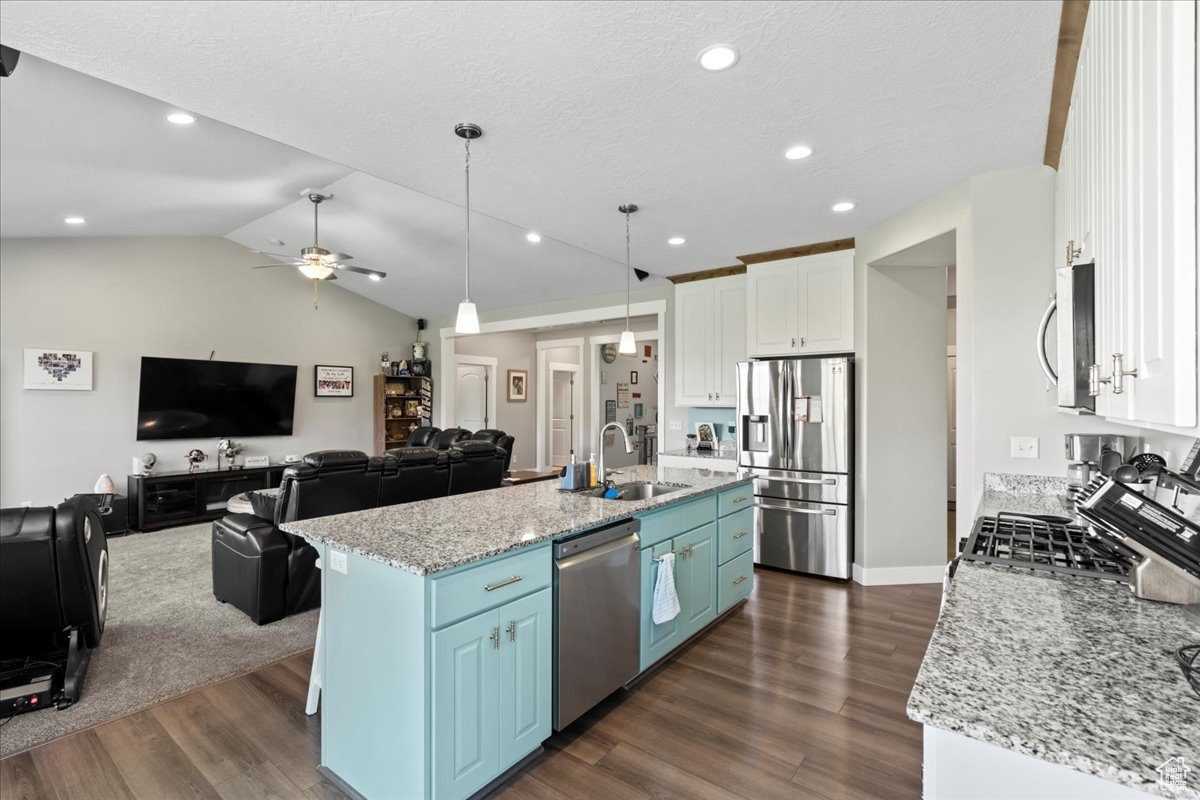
<point x="500" y="439"/>
<point x="421" y="437"/>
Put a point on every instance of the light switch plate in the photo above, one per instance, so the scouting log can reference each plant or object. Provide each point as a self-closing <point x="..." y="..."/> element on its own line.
<point x="675" y="425"/>
<point x="337" y="561"/>
<point x="1024" y="447"/>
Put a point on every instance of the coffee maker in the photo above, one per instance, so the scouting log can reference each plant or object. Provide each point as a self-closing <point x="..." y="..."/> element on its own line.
<point x="1092" y="454"/>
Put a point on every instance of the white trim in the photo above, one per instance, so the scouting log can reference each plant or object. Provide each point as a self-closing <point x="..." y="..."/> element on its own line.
<point x="895" y="576"/>
<point x="594" y="378"/>
<point x="547" y="458"/>
<point x="490" y="363"/>
<point x="541" y="446"/>
<point x="581" y="317"/>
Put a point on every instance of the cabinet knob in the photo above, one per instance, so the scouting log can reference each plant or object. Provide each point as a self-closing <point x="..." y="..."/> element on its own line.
<point x="802" y="341"/>
<point x="1119" y="373"/>
<point x="793" y="341"/>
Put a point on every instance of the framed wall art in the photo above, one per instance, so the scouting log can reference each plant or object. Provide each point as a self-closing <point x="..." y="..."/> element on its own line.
<point x="58" y="369"/>
<point x="518" y="385"/>
<point x="331" y="381"/>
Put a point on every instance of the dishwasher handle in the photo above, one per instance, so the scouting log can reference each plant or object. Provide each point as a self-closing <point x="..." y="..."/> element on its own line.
<point x="589" y="540"/>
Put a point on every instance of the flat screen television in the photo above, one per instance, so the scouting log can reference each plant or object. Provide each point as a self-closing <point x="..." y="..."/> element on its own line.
<point x="182" y="398"/>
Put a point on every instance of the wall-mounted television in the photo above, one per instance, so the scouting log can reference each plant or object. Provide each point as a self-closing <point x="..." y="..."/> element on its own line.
<point x="181" y="398"/>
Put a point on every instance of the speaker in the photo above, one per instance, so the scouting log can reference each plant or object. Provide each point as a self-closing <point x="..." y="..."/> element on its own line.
<point x="8" y="60"/>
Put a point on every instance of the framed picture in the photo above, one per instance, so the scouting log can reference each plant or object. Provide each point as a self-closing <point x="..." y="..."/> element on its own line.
<point x="53" y="368"/>
<point x="633" y="377"/>
<point x="610" y="411"/>
<point x="331" y="381"/>
<point x="518" y="385"/>
<point x="637" y="410"/>
<point x="706" y="434"/>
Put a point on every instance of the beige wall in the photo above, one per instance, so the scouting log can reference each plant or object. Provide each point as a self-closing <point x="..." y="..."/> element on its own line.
<point x="174" y="297"/>
<point x="512" y="351"/>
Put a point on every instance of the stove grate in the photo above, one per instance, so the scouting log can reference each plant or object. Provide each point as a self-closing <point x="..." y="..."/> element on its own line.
<point x="1055" y="547"/>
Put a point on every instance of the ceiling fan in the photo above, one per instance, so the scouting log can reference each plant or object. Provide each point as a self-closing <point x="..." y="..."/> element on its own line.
<point x="315" y="262"/>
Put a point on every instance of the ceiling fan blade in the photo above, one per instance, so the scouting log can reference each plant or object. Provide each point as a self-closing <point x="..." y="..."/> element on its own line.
<point x="360" y="270"/>
<point x="337" y="257"/>
<point x="268" y="266"/>
<point x="274" y="255"/>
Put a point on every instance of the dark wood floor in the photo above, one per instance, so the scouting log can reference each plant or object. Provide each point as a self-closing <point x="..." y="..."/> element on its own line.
<point x="799" y="694"/>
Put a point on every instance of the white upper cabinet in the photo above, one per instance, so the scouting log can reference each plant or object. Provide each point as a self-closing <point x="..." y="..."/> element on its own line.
<point x="801" y="305"/>
<point x="710" y="338"/>
<point x="1126" y="199"/>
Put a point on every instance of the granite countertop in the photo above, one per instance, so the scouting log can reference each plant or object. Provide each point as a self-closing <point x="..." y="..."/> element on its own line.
<point x="716" y="454"/>
<point x="1074" y="671"/>
<point x="434" y="535"/>
<point x="1024" y="494"/>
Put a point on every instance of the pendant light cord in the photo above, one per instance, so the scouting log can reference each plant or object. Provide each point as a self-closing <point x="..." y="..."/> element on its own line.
<point x="467" y="281"/>
<point x="628" y="268"/>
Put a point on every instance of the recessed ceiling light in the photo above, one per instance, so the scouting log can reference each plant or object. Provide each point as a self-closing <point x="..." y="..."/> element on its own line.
<point x="845" y="205"/>
<point x="533" y="237"/>
<point x="798" y="152"/>
<point x="718" y="57"/>
<point x="74" y="220"/>
<point x="375" y="277"/>
<point x="180" y="118"/>
<point x="676" y="240"/>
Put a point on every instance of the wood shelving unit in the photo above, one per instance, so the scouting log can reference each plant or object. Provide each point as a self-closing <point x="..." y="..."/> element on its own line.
<point x="402" y="404"/>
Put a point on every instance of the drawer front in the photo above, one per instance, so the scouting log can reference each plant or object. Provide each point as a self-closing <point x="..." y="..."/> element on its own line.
<point x="734" y="581"/>
<point x="735" y="499"/>
<point x="658" y="526"/>
<point x="735" y="534"/>
<point x="472" y="590"/>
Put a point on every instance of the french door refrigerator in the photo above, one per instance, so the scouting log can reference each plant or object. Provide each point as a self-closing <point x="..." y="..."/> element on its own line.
<point x="795" y="429"/>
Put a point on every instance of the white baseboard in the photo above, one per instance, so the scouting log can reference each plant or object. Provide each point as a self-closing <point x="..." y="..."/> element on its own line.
<point x="894" y="576"/>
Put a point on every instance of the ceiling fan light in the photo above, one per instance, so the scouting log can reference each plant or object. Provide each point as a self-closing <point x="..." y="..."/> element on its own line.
<point x="628" y="346"/>
<point x="468" y="318"/>
<point x="315" y="271"/>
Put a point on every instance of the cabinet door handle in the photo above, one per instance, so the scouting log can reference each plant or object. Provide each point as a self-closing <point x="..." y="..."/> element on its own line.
<point x="741" y="499"/>
<point x="495" y="637"/>
<point x="740" y="579"/>
<point x="491" y="587"/>
<point x="1094" y="380"/>
<point x="1119" y="373"/>
<point x="740" y="534"/>
<point x="793" y="341"/>
<point x="511" y="630"/>
<point x="802" y="341"/>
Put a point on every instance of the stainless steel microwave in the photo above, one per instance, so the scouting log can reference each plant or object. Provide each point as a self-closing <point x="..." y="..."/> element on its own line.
<point x="1074" y="304"/>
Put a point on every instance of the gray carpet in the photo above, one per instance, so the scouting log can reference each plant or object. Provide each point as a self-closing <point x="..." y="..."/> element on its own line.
<point x="165" y="634"/>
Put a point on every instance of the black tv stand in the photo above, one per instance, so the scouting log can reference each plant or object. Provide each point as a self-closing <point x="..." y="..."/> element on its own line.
<point x="181" y="498"/>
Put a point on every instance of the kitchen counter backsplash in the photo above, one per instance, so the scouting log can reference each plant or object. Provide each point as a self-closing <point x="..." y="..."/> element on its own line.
<point x="1013" y="483"/>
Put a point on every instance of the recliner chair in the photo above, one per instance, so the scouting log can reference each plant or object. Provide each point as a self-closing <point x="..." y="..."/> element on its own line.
<point x="475" y="465"/>
<point x="421" y="437"/>
<point x="54" y="570"/>
<point x="414" y="473"/>
<point x="446" y="438"/>
<point x="500" y="439"/>
<point x="269" y="574"/>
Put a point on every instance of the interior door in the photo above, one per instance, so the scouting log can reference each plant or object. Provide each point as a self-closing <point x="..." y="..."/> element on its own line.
<point x="525" y="680"/>
<point x="562" y="421"/>
<point x="471" y="394"/>
<point x="466" y="683"/>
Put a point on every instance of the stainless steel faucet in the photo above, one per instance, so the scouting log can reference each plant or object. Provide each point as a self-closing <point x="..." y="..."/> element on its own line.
<point x="601" y="474"/>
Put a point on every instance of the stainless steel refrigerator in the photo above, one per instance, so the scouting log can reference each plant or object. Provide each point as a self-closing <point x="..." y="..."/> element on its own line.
<point x="795" y="429"/>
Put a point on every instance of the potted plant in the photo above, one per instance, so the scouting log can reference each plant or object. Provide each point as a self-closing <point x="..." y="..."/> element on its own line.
<point x="230" y="450"/>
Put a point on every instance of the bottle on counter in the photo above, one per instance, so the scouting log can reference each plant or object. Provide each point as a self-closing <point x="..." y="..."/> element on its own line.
<point x="591" y="471"/>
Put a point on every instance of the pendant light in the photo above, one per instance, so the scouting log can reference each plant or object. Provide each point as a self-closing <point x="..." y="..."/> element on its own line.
<point x="628" y="346"/>
<point x="468" y="319"/>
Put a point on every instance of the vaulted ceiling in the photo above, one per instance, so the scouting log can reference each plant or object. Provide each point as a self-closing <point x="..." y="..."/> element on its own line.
<point x="584" y="105"/>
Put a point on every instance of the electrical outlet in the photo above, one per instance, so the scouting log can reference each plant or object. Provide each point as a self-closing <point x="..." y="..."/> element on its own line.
<point x="1024" y="447"/>
<point x="337" y="561"/>
<point x="675" y="425"/>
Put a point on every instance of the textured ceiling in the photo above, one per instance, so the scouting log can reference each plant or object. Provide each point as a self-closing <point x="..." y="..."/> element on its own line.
<point x="71" y="145"/>
<point x="587" y="105"/>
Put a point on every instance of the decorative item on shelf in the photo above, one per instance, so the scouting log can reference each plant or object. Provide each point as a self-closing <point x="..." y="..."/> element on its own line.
<point x="229" y="450"/>
<point x="385" y="364"/>
<point x="47" y="368"/>
<point x="419" y="344"/>
<point x="468" y="319"/>
<point x="258" y="461"/>
<point x="518" y="385"/>
<point x="628" y="345"/>
<point x="396" y="412"/>
<point x="706" y="435"/>
<point x="412" y="426"/>
<point x="144" y="464"/>
<point x="412" y="408"/>
<point x="331" y="381"/>
<point x="419" y="367"/>
<point x="195" y="457"/>
<point x="104" y="484"/>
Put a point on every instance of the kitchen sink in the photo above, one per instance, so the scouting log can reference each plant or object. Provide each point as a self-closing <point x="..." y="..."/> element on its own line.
<point x="640" y="490"/>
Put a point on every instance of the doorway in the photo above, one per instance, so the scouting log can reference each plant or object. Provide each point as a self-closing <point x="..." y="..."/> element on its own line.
<point x="563" y="417"/>
<point x="474" y="392"/>
<point x="625" y="390"/>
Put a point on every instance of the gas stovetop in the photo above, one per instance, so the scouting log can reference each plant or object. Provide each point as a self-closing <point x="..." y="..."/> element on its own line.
<point x="1047" y="544"/>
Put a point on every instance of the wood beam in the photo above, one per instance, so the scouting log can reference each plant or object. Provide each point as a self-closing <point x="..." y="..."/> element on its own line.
<point x="705" y="274"/>
<point x="1070" y="39"/>
<point x="816" y="248"/>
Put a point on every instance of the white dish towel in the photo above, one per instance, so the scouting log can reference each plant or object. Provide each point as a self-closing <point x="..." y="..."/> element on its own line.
<point x="666" y="601"/>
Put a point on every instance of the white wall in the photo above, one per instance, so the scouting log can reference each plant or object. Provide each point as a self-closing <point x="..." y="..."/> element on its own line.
<point x="512" y="351"/>
<point x="175" y="297"/>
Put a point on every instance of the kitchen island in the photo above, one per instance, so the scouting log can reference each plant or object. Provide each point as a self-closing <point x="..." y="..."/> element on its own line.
<point x="1036" y="685"/>
<point x="438" y="616"/>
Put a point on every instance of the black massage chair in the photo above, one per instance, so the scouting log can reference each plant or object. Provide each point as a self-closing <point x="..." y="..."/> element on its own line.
<point x="53" y="600"/>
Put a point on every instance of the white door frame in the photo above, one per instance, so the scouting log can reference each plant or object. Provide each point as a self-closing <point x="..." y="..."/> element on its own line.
<point x="576" y="409"/>
<point x="594" y="399"/>
<point x="542" y="381"/>
<point x="488" y="362"/>
<point x="581" y="317"/>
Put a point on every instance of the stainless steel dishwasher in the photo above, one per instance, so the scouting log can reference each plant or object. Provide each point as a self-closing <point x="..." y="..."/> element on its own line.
<point x="597" y="608"/>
